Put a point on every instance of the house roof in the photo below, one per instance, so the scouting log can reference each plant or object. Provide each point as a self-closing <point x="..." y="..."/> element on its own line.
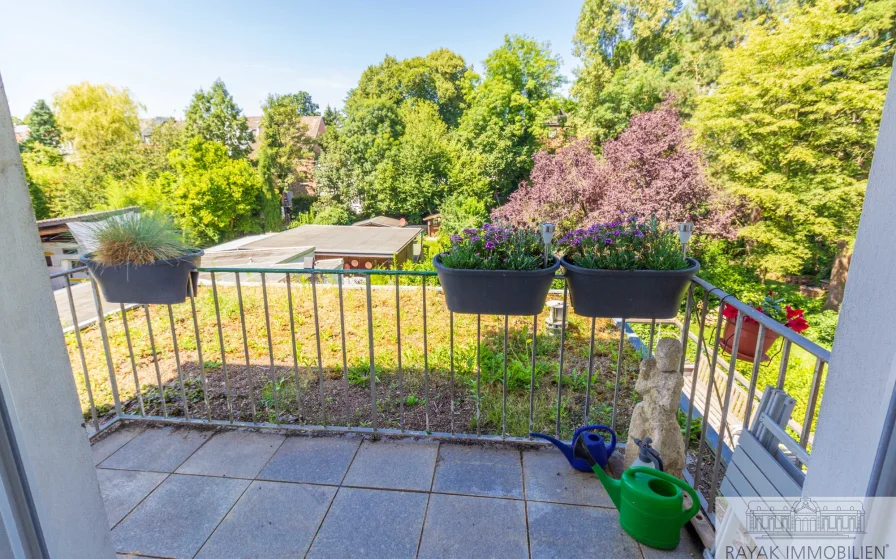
<point x="312" y="122"/>
<point x="381" y="221"/>
<point x="432" y="217"/>
<point x="343" y="239"/>
<point x="91" y="216"/>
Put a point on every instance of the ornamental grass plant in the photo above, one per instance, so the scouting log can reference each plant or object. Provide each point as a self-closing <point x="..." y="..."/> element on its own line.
<point x="624" y="244"/>
<point x="136" y="239"/>
<point x="496" y="247"/>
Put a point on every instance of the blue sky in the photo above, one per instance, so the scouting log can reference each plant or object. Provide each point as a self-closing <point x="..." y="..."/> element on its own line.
<point x="165" y="50"/>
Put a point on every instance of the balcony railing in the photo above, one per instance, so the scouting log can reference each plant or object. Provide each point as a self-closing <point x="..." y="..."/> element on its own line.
<point x="377" y="352"/>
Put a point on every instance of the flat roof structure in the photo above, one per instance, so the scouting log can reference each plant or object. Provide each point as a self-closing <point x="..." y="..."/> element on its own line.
<point x="342" y="240"/>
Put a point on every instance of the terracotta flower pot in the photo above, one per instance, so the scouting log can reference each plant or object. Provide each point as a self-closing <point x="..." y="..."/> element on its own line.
<point x="749" y="335"/>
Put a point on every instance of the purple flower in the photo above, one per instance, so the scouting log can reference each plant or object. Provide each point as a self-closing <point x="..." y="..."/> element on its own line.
<point x="608" y="241"/>
<point x="489" y="245"/>
<point x="456" y="238"/>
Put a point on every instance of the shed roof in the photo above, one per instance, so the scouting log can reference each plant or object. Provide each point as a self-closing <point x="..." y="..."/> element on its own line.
<point x="343" y="239"/>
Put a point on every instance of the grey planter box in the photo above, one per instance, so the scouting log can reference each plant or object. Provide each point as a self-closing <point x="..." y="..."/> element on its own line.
<point x="162" y="282"/>
<point x="628" y="293"/>
<point x="501" y="292"/>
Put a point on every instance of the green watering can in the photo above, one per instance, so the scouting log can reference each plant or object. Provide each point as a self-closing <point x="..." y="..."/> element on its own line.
<point x="649" y="501"/>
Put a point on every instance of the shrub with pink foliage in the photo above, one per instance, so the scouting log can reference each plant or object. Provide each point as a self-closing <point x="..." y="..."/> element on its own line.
<point x="649" y="170"/>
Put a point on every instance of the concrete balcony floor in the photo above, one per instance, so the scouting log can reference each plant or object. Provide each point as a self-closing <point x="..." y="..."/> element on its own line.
<point x="179" y="492"/>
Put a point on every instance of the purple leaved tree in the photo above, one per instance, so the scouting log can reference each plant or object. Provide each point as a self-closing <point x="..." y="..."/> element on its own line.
<point x="650" y="169"/>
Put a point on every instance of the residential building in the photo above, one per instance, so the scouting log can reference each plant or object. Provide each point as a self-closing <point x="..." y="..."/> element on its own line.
<point x="316" y="129"/>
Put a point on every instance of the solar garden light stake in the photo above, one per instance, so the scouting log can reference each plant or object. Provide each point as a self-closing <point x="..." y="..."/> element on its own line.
<point x="685" y="230"/>
<point x="547" y="234"/>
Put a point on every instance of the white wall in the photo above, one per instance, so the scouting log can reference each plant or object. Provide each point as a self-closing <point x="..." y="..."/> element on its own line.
<point x="36" y="379"/>
<point x="863" y="360"/>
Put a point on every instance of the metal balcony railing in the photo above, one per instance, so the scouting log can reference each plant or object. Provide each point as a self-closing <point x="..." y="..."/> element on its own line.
<point x="377" y="352"/>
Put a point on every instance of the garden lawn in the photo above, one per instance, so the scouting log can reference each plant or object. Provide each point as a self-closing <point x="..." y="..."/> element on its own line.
<point x="297" y="391"/>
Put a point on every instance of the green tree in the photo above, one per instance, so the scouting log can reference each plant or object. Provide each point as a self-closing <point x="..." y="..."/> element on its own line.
<point x="215" y="197"/>
<point x="709" y="28"/>
<point x="412" y="180"/>
<point x="630" y="63"/>
<point x="97" y="118"/>
<point x="460" y="212"/>
<point x="332" y="117"/>
<point x="351" y="155"/>
<point x="42" y="125"/>
<point x="441" y="77"/>
<point x="38" y="198"/>
<point x="165" y="137"/>
<point x="504" y="124"/>
<point x="214" y="116"/>
<point x="284" y="146"/>
<point x="792" y="126"/>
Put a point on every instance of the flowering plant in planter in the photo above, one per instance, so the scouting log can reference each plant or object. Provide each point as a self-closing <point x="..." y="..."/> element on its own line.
<point x="627" y="268"/>
<point x="496" y="269"/>
<point x="771" y="307"/>
<point x="624" y="244"/>
<point x="749" y="335"/>
<point x="496" y="247"/>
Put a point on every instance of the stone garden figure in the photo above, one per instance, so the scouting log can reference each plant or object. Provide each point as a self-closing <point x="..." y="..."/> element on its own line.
<point x="656" y="416"/>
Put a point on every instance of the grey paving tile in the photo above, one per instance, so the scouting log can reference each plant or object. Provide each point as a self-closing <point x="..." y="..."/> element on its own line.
<point x="476" y="470"/>
<point x="157" y="449"/>
<point x="404" y="464"/>
<point x="130" y="556"/>
<point x="122" y="490"/>
<point x="178" y="517"/>
<point x="106" y="447"/>
<point x="472" y="527"/>
<point x="687" y="549"/>
<point x="311" y="460"/>
<point x="549" y="477"/>
<point x="371" y="523"/>
<point x="571" y="530"/>
<point x="233" y="454"/>
<point x="270" y="520"/>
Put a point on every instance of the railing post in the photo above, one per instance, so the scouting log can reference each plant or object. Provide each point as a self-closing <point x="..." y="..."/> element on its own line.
<point x="451" y="371"/>
<point x="562" y="350"/>
<point x="292" y="339"/>
<point x="401" y="394"/>
<point x="221" y="342"/>
<point x="373" y="418"/>
<point x="619" y="352"/>
<point x="127" y="337"/>
<point x="504" y="384"/>
<point x="273" y="371"/>
<point x="101" y="322"/>
<point x="532" y="379"/>
<point x="180" y="377"/>
<point x="590" y="374"/>
<point x="77" y="330"/>
<point x="208" y="407"/>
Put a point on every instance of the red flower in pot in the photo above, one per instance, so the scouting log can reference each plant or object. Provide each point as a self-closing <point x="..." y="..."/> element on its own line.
<point x="749" y="334"/>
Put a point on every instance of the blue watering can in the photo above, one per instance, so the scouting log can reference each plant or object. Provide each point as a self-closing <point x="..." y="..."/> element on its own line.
<point x="595" y="443"/>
